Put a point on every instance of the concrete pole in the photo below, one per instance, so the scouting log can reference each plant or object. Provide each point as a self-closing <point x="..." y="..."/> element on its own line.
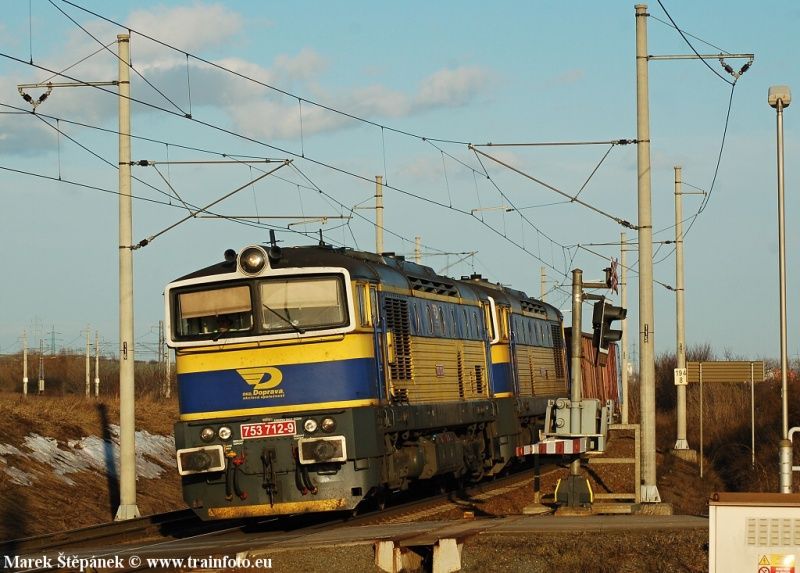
<point x="160" y="341"/>
<point x="623" y="295"/>
<point x="96" y="364"/>
<point x="575" y="362"/>
<point x="127" y="419"/>
<point x="542" y="283"/>
<point x="25" y="362"/>
<point x="785" y="453"/>
<point x="88" y="365"/>
<point x="647" y="371"/>
<point x="41" y="366"/>
<point x="680" y="443"/>
<point x="752" y="419"/>
<point x="418" y="249"/>
<point x="379" y="214"/>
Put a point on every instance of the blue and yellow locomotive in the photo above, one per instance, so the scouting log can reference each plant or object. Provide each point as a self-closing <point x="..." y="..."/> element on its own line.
<point x="313" y="378"/>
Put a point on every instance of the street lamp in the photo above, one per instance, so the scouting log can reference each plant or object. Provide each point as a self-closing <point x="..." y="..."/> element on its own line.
<point x="779" y="97"/>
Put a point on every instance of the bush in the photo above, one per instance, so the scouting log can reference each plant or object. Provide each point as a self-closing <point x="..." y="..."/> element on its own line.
<point x="65" y="374"/>
<point x="726" y="423"/>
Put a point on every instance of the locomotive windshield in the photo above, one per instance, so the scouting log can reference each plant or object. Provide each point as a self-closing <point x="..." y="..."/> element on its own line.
<point x="214" y="312"/>
<point x="267" y="306"/>
<point x="302" y="304"/>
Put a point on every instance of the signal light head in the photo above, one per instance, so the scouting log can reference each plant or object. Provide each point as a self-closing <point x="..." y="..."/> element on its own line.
<point x="603" y="315"/>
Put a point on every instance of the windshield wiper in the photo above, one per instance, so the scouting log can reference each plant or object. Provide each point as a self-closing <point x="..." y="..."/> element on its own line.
<point x="220" y="333"/>
<point x="284" y="319"/>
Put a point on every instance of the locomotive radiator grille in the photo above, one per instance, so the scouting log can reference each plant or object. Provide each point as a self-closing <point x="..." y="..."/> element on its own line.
<point x="558" y="350"/>
<point x="396" y="312"/>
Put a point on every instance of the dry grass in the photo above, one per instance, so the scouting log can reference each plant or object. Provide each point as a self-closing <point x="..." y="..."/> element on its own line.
<point x="51" y="505"/>
<point x="63" y="413"/>
<point x="726" y="425"/>
<point x="65" y="374"/>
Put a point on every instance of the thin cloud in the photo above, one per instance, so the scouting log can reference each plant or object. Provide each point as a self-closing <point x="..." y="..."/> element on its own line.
<point x="445" y="88"/>
<point x="190" y="28"/>
<point x="452" y="88"/>
<point x="253" y="109"/>
<point x="568" y="78"/>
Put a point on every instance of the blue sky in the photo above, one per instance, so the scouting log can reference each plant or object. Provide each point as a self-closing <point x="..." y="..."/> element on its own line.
<point x="459" y="71"/>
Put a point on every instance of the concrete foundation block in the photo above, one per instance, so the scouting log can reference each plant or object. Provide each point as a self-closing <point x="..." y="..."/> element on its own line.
<point x="447" y="556"/>
<point x="394" y="559"/>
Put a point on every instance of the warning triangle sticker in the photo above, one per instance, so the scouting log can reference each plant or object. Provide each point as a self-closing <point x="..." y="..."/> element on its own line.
<point x="763" y="560"/>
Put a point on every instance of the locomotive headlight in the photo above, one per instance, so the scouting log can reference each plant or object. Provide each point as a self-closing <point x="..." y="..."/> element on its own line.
<point x="310" y="425"/>
<point x="224" y="433"/>
<point x="328" y="425"/>
<point x="252" y="260"/>
<point x="207" y="434"/>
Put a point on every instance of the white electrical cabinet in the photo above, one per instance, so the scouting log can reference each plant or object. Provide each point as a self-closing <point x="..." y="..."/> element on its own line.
<point x="754" y="533"/>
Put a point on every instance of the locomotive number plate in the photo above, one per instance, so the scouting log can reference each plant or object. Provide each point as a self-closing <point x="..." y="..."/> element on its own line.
<point x="269" y="429"/>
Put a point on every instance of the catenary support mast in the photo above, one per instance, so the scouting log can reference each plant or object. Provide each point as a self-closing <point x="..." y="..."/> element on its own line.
<point x="647" y="373"/>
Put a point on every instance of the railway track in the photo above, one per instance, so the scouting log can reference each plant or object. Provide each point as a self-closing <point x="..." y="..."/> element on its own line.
<point x="117" y="532"/>
<point x="181" y="534"/>
<point x="468" y="500"/>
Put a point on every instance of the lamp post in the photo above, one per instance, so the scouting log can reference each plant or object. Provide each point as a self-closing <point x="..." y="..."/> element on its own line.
<point x="779" y="97"/>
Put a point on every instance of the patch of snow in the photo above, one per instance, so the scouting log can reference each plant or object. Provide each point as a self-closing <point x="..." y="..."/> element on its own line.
<point x="154" y="455"/>
<point x="18" y="476"/>
<point x="8" y="449"/>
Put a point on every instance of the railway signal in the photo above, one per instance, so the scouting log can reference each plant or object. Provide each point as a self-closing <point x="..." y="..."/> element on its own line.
<point x="603" y="317"/>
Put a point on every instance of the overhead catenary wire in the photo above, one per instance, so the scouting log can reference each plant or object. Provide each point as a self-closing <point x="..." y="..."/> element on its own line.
<point x="383" y="127"/>
<point x="573" y="199"/>
<point x="485" y="173"/>
<point x="300" y="99"/>
<point x="693" y="218"/>
<point x="630" y="268"/>
<point x="101" y="49"/>
<point x="611" y="142"/>
<point x="511" y="203"/>
<point x="234" y="156"/>
<point x="89" y="186"/>
<point x="194" y="210"/>
<point x="688" y="43"/>
<point x="275" y="148"/>
<point x="352" y="209"/>
<point x="88" y="33"/>
<point x="190" y="207"/>
<point x="258" y="82"/>
<point x="539" y="232"/>
<point x="191" y="215"/>
<point x="672" y="25"/>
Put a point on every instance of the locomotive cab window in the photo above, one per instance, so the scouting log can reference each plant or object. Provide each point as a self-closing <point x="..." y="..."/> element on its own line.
<point x="214" y="312"/>
<point x="302" y="303"/>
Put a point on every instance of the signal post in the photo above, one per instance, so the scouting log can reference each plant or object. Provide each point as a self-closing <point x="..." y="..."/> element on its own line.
<point x="576" y="492"/>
